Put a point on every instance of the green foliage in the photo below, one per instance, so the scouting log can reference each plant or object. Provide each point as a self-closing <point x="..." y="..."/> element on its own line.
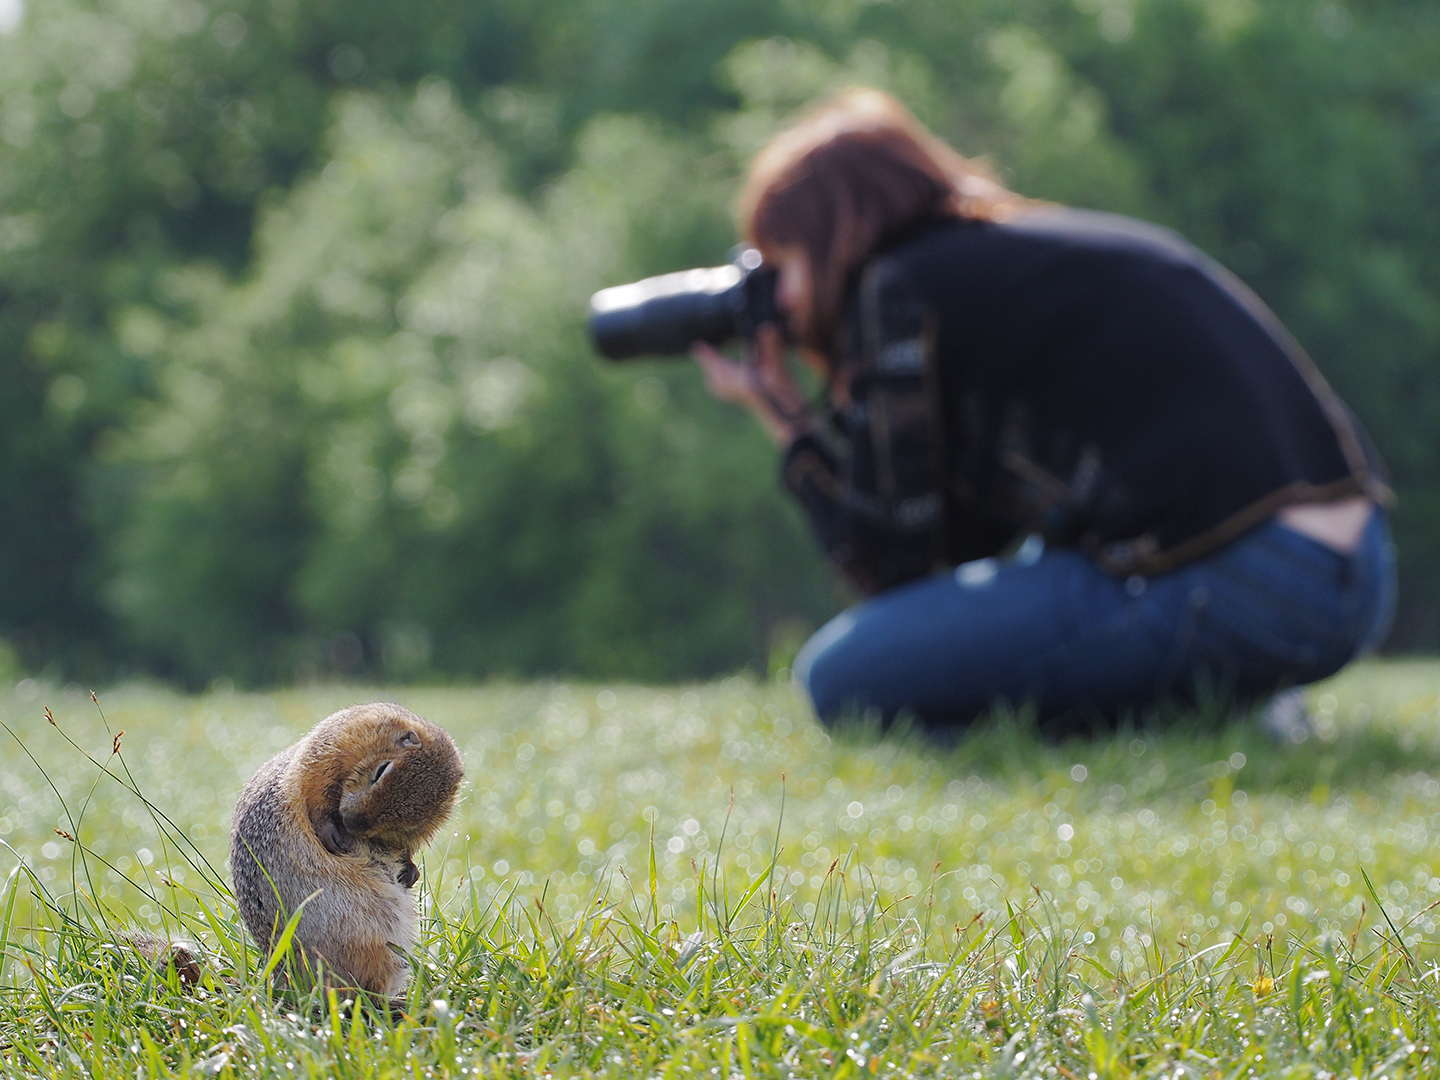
<point x="292" y="372"/>
<point x="427" y="452"/>
<point x="689" y="880"/>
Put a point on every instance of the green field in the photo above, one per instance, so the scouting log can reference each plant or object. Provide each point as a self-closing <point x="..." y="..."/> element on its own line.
<point x="699" y="880"/>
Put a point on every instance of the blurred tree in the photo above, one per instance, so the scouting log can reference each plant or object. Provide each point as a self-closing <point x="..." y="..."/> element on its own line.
<point x="388" y="446"/>
<point x="136" y="136"/>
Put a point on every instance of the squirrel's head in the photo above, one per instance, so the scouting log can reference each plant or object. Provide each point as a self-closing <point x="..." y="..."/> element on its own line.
<point x="391" y="778"/>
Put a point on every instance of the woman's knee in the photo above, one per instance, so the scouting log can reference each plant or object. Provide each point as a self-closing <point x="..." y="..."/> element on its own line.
<point x="820" y="668"/>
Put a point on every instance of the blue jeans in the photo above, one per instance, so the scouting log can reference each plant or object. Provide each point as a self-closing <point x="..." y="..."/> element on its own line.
<point x="1271" y="609"/>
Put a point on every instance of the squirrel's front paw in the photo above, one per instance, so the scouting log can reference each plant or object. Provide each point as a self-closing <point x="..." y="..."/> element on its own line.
<point x="409" y="873"/>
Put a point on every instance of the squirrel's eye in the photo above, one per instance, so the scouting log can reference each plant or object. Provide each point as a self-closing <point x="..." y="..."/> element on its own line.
<point x="381" y="771"/>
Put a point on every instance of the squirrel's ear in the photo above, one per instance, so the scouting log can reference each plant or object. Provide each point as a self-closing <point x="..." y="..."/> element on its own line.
<point x="408" y="739"/>
<point x="331" y="833"/>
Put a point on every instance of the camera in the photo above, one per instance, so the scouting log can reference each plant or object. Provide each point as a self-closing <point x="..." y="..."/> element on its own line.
<point x="661" y="316"/>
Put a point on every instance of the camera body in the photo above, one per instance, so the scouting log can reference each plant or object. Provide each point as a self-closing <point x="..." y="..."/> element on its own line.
<point x="662" y="316"/>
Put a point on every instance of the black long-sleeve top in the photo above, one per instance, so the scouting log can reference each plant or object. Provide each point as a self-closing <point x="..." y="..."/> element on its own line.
<point x="1084" y="376"/>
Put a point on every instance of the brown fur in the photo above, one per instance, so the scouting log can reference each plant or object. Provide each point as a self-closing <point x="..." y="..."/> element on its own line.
<point x="340" y="813"/>
<point x="161" y="952"/>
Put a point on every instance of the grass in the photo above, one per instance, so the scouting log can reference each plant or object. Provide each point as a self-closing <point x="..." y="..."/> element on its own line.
<point x="700" y="881"/>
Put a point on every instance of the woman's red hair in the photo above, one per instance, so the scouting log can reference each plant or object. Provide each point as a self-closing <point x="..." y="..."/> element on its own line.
<point x="854" y="174"/>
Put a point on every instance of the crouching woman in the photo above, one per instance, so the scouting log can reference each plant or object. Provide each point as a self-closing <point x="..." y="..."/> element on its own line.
<point x="1071" y="461"/>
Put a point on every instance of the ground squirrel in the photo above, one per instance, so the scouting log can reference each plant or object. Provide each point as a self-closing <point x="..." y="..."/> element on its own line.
<point x="340" y="812"/>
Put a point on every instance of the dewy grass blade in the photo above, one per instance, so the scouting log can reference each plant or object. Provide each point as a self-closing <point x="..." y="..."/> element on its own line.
<point x="12" y="890"/>
<point x="287" y="935"/>
<point x="1399" y="940"/>
<point x="654" y="882"/>
<point x="754" y="887"/>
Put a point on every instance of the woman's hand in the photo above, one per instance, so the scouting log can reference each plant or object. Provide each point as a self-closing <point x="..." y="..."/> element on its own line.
<point x="761" y="384"/>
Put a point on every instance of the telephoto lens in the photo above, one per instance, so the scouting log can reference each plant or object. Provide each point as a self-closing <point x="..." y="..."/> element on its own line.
<point x="663" y="316"/>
